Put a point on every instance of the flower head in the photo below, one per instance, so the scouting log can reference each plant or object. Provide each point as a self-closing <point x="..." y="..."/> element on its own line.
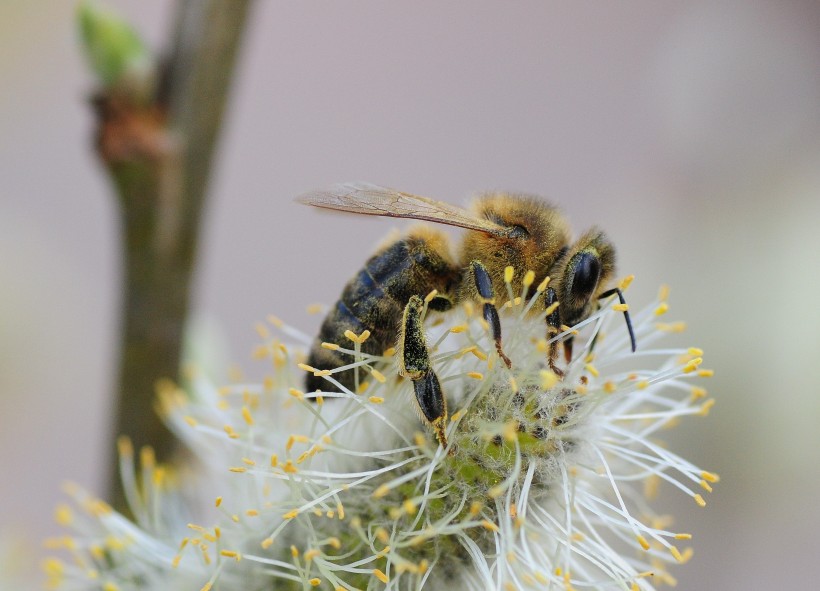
<point x="544" y="481"/>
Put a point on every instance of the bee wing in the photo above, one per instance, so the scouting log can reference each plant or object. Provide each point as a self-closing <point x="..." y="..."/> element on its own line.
<point x="369" y="199"/>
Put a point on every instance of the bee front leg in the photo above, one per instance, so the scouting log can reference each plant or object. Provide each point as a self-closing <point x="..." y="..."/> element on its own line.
<point x="553" y="328"/>
<point x="415" y="364"/>
<point x="484" y="285"/>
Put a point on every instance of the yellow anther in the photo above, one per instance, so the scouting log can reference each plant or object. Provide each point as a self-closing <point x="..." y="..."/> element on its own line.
<point x="459" y="328"/>
<point x="207" y="586"/>
<point x="510" y="431"/>
<point x="683" y="536"/>
<point x="289" y="468"/>
<point x="551" y="308"/>
<point x="626" y="282"/>
<point x="548" y="379"/>
<point x="620" y="307"/>
<point x="513" y="384"/>
<point x="311" y="554"/>
<point x="698" y="392"/>
<point x="705" y="486"/>
<point x="190" y="420"/>
<point x="340" y="510"/>
<point x="306" y="367"/>
<point x="315" y="581"/>
<point x="238" y="469"/>
<point x="294" y="551"/>
<point x="663" y="293"/>
<point x="389" y="352"/>
<point x="710" y="477"/>
<point x="642" y="385"/>
<point x="376" y="399"/>
<point x="251" y="512"/>
<point x="495" y="492"/>
<point x="248" y="461"/>
<point x="692" y="365"/>
<point x="262" y="331"/>
<point x="231" y="554"/>
<point x="63" y="515"/>
<point x="275" y="321"/>
<point x="662" y="309"/>
<point x="676" y="553"/>
<point x="364" y="385"/>
<point x="267" y="543"/>
<point x="458" y="414"/>
<point x="409" y="507"/>
<point x="591" y="369"/>
<point x="706" y="407"/>
<point x="274" y="460"/>
<point x="699" y="500"/>
<point x="313" y="309"/>
<point x="706" y="373"/>
<point x="529" y="278"/>
<point x="695" y="352"/>
<point x="380" y="575"/>
<point x="291" y="514"/>
<point x="475" y="508"/>
<point x="543" y="285"/>
<point x="381" y="491"/>
<point x="175" y="561"/>
<point x="642" y="541"/>
<point x="489" y="525"/>
<point x="651" y="486"/>
<point x="509" y="272"/>
<point x="330" y="346"/>
<point x="382" y="535"/>
<point x="109" y="586"/>
<point x="431" y="296"/>
<point x="475" y="375"/>
<point x="378" y="376"/>
<point x="235" y="518"/>
<point x="610" y="387"/>
<point x="478" y="353"/>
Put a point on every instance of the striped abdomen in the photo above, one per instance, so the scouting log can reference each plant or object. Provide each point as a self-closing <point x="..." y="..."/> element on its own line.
<point x="375" y="298"/>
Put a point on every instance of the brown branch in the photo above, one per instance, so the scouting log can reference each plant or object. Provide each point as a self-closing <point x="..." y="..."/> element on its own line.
<point x="159" y="156"/>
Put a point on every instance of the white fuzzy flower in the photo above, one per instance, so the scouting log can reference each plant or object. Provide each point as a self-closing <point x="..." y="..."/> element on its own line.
<point x="545" y="482"/>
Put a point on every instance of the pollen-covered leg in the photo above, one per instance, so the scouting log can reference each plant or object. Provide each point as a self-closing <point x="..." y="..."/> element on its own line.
<point x="484" y="285"/>
<point x="553" y="328"/>
<point x="415" y="364"/>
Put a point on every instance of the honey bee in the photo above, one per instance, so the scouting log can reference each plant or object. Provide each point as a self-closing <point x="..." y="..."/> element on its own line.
<point x="505" y="230"/>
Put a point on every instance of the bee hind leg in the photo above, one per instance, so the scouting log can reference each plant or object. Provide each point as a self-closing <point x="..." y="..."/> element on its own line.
<point x="484" y="285"/>
<point x="415" y="364"/>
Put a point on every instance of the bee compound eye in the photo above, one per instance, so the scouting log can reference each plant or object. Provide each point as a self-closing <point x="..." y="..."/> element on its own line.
<point x="586" y="272"/>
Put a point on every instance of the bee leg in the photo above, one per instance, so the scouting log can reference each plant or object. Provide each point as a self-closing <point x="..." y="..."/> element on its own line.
<point x="484" y="285"/>
<point x="617" y="290"/>
<point x="553" y="328"/>
<point x="415" y="364"/>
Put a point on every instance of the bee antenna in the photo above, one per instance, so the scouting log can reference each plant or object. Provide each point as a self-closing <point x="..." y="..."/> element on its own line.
<point x="617" y="290"/>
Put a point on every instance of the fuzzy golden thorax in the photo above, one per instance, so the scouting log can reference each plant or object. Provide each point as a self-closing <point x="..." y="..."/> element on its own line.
<point x="539" y="236"/>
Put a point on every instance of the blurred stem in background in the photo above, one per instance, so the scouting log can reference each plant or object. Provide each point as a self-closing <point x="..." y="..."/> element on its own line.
<point x="158" y="122"/>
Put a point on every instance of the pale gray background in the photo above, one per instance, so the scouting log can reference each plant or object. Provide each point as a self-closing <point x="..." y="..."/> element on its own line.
<point x="690" y="130"/>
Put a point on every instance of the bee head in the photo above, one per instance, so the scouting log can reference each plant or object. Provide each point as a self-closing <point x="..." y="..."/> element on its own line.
<point x="536" y="234"/>
<point x="583" y="272"/>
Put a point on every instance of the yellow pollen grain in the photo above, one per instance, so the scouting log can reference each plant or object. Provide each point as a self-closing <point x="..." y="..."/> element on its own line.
<point x="489" y="525"/>
<point x="706" y="373"/>
<point x="710" y="477"/>
<point x="267" y="543"/>
<point x="620" y="307"/>
<point x="430" y="296"/>
<point x="591" y="369"/>
<point x="376" y="399"/>
<point x="381" y="491"/>
<point x="699" y="500"/>
<point x="543" y="285"/>
<point x="458" y="328"/>
<point x="642" y="541"/>
<point x="378" y="376"/>
<point x="330" y="346"/>
<point x="381" y="576"/>
<point x="662" y="309"/>
<point x="475" y="375"/>
<point x="509" y="273"/>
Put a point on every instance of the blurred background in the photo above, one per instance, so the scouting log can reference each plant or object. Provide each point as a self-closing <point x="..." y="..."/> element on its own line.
<point x="690" y="131"/>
